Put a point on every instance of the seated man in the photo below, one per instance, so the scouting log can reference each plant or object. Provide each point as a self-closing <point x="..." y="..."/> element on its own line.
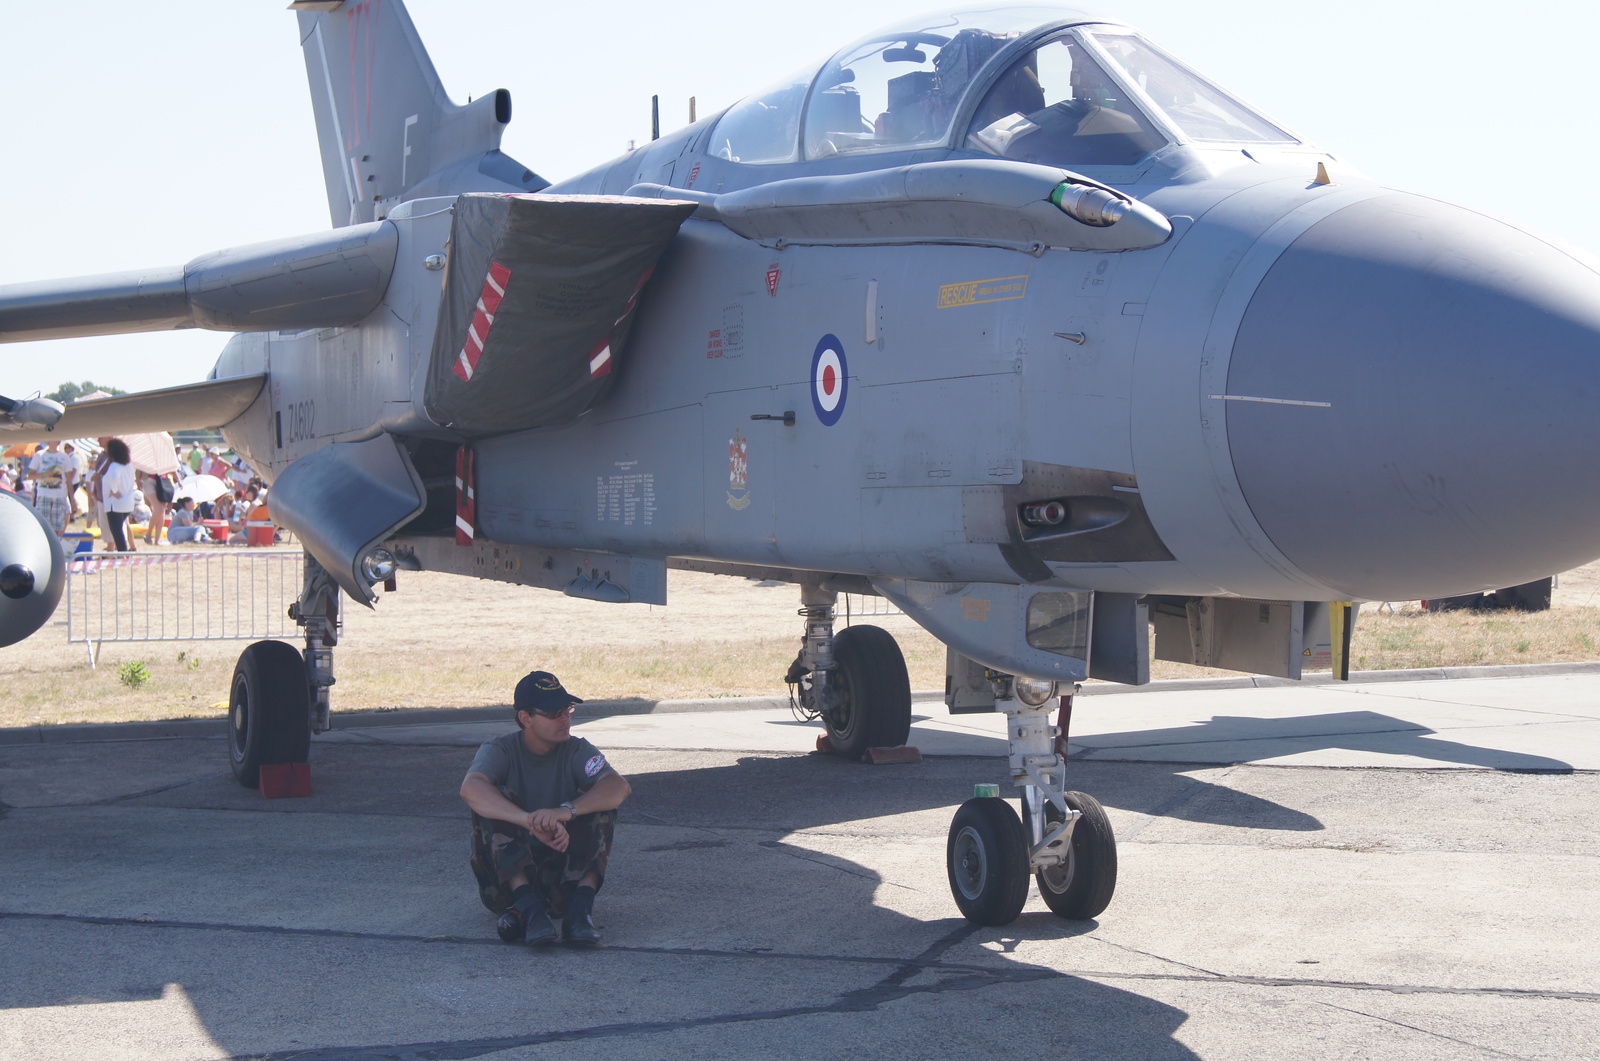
<point x="543" y="809"/>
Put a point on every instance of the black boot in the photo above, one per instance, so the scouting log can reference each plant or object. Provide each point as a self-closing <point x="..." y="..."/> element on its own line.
<point x="526" y="921"/>
<point x="541" y="931"/>
<point x="578" y="928"/>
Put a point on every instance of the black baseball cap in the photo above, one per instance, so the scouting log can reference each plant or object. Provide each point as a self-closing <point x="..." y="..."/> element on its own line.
<point x="542" y="692"/>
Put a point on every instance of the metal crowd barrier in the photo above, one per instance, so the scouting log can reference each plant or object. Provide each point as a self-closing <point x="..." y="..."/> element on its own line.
<point x="861" y="606"/>
<point x="219" y="594"/>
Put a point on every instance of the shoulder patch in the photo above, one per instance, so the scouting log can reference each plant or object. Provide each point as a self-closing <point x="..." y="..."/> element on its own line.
<point x="594" y="766"/>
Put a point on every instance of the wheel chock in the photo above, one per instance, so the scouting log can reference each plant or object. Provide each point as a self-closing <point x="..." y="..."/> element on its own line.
<point x="875" y="756"/>
<point x="884" y="756"/>
<point x="285" y="780"/>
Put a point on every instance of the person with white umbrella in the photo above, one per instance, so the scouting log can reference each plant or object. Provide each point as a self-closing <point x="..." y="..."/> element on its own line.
<point x="202" y="489"/>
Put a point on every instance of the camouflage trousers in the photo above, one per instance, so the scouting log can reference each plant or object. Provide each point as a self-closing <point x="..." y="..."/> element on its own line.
<point x="501" y="850"/>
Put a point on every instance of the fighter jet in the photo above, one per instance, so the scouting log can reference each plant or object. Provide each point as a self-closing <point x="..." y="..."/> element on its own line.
<point x="1010" y="317"/>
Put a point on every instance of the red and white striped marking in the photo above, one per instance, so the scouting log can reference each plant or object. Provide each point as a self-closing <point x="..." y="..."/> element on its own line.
<point x="89" y="563"/>
<point x="600" y="359"/>
<point x="494" y="289"/>
<point x="466" y="496"/>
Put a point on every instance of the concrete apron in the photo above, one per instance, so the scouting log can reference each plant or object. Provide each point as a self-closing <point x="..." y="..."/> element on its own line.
<point x="1401" y="869"/>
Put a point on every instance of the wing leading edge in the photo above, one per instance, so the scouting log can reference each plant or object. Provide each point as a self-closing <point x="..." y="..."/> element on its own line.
<point x="322" y="280"/>
<point x="213" y="403"/>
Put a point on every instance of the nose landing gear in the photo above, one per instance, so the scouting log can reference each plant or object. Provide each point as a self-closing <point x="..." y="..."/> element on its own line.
<point x="1063" y="838"/>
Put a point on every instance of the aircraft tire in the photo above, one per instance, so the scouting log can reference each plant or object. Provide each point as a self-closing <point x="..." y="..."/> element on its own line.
<point x="986" y="859"/>
<point x="875" y="709"/>
<point x="269" y="710"/>
<point x="1081" y="887"/>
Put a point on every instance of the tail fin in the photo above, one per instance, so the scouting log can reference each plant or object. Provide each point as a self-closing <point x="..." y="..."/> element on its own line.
<point x="388" y="131"/>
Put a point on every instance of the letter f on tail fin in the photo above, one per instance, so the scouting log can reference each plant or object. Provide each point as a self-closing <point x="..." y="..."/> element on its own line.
<point x="387" y="130"/>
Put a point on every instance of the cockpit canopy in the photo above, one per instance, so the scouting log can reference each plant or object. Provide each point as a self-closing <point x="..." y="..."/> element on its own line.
<point x="1045" y="85"/>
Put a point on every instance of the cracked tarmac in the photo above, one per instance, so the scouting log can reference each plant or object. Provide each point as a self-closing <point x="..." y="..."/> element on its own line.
<point x="1395" y="871"/>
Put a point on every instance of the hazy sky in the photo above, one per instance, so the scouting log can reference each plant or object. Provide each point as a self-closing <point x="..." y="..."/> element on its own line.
<point x="141" y="135"/>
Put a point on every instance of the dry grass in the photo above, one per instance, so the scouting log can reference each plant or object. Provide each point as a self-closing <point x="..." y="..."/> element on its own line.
<point x="1411" y="638"/>
<point x="450" y="642"/>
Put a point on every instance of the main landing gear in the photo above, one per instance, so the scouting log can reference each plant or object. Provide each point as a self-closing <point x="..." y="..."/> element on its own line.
<point x="279" y="697"/>
<point x="855" y="680"/>
<point x="1062" y="837"/>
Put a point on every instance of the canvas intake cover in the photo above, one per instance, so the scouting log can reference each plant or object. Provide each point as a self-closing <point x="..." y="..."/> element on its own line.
<point x="539" y="298"/>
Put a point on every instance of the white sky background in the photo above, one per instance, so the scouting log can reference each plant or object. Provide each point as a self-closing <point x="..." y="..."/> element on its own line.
<point x="143" y="134"/>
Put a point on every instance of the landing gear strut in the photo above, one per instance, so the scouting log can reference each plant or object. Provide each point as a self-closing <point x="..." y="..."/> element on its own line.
<point x="1063" y="837"/>
<point x="317" y="612"/>
<point x="279" y="696"/>
<point x="855" y="680"/>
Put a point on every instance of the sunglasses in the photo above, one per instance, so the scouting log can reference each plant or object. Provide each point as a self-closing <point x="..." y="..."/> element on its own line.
<point x="569" y="709"/>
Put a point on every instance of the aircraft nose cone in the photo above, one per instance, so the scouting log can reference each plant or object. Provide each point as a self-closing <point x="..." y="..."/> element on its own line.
<point x="1459" y="362"/>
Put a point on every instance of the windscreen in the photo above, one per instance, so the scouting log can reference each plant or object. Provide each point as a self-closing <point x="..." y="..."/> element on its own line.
<point x="1195" y="107"/>
<point x="1056" y="106"/>
<point x="764" y="127"/>
<point x="901" y="88"/>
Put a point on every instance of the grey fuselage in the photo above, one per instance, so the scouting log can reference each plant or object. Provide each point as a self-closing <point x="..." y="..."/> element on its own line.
<point x="919" y="355"/>
<point x="1314" y="389"/>
<point x="1272" y="286"/>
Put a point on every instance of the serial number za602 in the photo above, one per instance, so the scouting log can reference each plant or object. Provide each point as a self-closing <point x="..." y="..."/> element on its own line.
<point x="300" y="419"/>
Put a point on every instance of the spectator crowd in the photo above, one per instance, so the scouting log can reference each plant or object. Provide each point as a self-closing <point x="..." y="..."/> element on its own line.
<point x="99" y="482"/>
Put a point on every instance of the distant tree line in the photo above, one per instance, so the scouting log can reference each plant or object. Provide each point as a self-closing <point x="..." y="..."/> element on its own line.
<point x="71" y="392"/>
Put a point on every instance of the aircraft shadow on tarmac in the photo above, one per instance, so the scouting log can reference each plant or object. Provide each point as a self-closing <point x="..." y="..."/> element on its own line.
<point x="1159" y="787"/>
<point x="701" y="844"/>
<point x="1361" y="731"/>
<point x="732" y="825"/>
<point x="1253" y="739"/>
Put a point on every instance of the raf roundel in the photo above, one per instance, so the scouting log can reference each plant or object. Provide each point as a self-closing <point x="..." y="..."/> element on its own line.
<point x="830" y="380"/>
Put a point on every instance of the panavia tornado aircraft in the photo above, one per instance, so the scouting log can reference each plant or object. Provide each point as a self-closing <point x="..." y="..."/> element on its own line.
<point x="1008" y="316"/>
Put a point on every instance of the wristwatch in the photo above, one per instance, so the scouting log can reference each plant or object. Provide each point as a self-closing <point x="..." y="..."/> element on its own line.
<point x="571" y="808"/>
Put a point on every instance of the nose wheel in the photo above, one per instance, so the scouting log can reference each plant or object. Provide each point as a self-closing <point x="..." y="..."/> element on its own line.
<point x="1063" y="839"/>
<point x="1080" y="886"/>
<point x="986" y="856"/>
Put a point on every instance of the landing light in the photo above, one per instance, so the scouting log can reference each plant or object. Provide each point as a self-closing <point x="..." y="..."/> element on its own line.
<point x="379" y="565"/>
<point x="1035" y="692"/>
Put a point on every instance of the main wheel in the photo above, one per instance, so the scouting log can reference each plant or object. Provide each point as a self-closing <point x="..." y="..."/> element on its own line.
<point x="269" y="710"/>
<point x="1081" y="887"/>
<point x="986" y="857"/>
<point x="873" y="705"/>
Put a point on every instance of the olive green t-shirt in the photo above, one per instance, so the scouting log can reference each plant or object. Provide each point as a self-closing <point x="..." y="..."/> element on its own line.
<point x="534" y="782"/>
